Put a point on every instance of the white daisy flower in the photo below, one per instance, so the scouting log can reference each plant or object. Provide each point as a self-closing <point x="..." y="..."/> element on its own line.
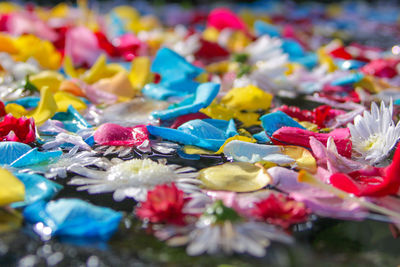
<point x="270" y="64"/>
<point x="374" y="134"/>
<point x="74" y="158"/>
<point x="133" y="178"/>
<point x="221" y="229"/>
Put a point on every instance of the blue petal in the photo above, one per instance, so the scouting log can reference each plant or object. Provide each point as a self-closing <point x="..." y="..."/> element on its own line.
<point x="78" y="117"/>
<point x="34" y="157"/>
<point x="309" y="60"/>
<point x="349" y="64"/>
<point x="164" y="90"/>
<point x="274" y="121"/>
<point x="264" y="28"/>
<point x="293" y="48"/>
<point x="26" y="102"/>
<point x="205" y="94"/>
<point x="36" y="188"/>
<point x="11" y="151"/>
<point x="262" y="137"/>
<point x="208" y="133"/>
<point x="349" y="79"/>
<point x="74" y="217"/>
<point x="172" y="66"/>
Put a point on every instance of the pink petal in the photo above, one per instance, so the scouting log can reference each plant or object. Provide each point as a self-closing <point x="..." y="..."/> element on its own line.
<point x="319" y="201"/>
<point x="300" y="137"/>
<point x="82" y="46"/>
<point x="221" y="18"/>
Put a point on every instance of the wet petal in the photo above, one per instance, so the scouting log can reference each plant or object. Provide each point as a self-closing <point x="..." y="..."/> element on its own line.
<point x="236" y="177"/>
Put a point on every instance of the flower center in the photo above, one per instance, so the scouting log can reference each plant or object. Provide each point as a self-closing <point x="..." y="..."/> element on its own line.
<point x="373" y="142"/>
<point x="137" y="172"/>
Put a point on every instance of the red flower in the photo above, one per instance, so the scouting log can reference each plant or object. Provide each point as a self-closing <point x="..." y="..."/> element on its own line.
<point x="2" y="109"/>
<point x="164" y="204"/>
<point x="280" y="210"/>
<point x="375" y="182"/>
<point x="17" y="130"/>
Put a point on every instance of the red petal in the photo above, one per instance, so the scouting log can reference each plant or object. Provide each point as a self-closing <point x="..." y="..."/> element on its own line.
<point x="345" y="183"/>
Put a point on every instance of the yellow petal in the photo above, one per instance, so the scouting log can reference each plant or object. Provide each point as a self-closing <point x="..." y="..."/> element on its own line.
<point x="236" y="137"/>
<point x="46" y="109"/>
<point x="249" y="98"/>
<point x="96" y="72"/>
<point x="8" y="7"/>
<point x="211" y="34"/>
<point x="325" y="59"/>
<point x="11" y="189"/>
<point x="69" y="67"/>
<point x="309" y="126"/>
<point x="140" y="72"/>
<point x="373" y="84"/>
<point x="60" y="10"/>
<point x="234" y="176"/>
<point x="7" y="44"/>
<point x="304" y="159"/>
<point x="217" y="111"/>
<point x="16" y="110"/>
<point x="119" y="85"/>
<point x="191" y="150"/>
<point x="47" y="78"/>
<point x="248" y="118"/>
<point x="218" y="67"/>
<point x="64" y="99"/>
<point x="42" y="51"/>
<point x="238" y="41"/>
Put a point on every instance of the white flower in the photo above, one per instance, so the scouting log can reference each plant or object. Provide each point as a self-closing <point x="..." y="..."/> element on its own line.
<point x="374" y="134"/>
<point x="133" y="178"/>
<point x="71" y="159"/>
<point x="270" y="63"/>
<point x="221" y="229"/>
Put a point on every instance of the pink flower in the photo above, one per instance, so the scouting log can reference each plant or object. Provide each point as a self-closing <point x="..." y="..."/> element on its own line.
<point x="164" y="204"/>
<point x="17" y="130"/>
<point x="280" y="210"/>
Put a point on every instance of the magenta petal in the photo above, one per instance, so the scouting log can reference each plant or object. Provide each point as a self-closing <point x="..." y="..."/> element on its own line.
<point x="221" y="18"/>
<point x="111" y="134"/>
<point x="300" y="137"/>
